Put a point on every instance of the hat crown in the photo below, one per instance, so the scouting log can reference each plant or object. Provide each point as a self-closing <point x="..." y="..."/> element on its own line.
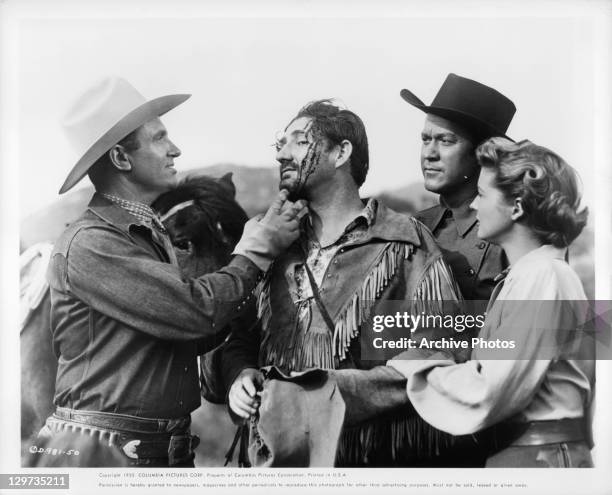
<point x="475" y="99"/>
<point x="481" y="110"/>
<point x="98" y="110"/>
<point x="103" y="116"/>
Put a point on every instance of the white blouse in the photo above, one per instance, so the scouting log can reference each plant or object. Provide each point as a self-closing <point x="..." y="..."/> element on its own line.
<point x="540" y="382"/>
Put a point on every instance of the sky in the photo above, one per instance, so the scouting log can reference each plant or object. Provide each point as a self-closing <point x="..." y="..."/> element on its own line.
<point x="249" y="76"/>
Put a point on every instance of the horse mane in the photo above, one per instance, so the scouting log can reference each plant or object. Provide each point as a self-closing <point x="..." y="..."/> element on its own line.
<point x="214" y="206"/>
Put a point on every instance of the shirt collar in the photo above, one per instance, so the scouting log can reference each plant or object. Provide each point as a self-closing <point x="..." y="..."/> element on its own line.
<point x="114" y="214"/>
<point x="141" y="211"/>
<point x="388" y="225"/>
<point x="463" y="215"/>
<point x="534" y="258"/>
<point x="366" y="217"/>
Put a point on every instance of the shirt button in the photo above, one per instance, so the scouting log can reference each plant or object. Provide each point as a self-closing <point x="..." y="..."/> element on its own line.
<point x="481" y="245"/>
<point x="470" y="272"/>
<point x="186" y="368"/>
<point x="329" y="275"/>
<point x="335" y="262"/>
<point x="180" y="403"/>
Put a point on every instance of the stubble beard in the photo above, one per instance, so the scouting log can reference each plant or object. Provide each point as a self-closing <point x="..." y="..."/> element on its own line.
<point x="294" y="186"/>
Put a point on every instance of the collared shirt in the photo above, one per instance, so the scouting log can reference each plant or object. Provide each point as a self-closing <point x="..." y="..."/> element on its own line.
<point x="319" y="258"/>
<point x="475" y="263"/>
<point x="142" y="211"/>
<point x="126" y="325"/>
<point x="540" y="297"/>
<point x="147" y="217"/>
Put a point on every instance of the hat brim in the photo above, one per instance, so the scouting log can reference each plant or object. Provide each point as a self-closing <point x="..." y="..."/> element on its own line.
<point x="132" y="121"/>
<point x="471" y="122"/>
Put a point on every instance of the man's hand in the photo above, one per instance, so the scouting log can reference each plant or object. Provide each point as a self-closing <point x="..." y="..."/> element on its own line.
<point x="243" y="398"/>
<point x="264" y="238"/>
<point x="282" y="221"/>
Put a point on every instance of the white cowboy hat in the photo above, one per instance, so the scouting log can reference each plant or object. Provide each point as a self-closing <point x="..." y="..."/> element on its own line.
<point x="103" y="116"/>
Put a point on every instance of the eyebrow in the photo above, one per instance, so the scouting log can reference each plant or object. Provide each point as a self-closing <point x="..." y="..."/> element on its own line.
<point x="298" y="131"/>
<point x="439" y="135"/>
<point x="283" y="139"/>
<point x="445" y="135"/>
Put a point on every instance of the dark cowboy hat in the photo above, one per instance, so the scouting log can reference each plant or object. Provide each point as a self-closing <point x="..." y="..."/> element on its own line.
<point x="483" y="111"/>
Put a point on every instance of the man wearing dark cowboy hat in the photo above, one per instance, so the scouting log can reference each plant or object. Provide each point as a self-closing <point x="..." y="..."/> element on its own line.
<point x="126" y="325"/>
<point x="462" y="115"/>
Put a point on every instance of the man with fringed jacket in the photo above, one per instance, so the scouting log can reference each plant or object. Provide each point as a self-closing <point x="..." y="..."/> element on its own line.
<point x="316" y="302"/>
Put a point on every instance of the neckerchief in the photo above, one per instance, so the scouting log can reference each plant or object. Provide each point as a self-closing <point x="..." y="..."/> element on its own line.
<point x="149" y="218"/>
<point x="142" y="211"/>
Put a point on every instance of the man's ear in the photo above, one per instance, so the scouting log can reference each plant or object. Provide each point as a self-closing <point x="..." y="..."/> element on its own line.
<point x="517" y="209"/>
<point x="344" y="154"/>
<point x="119" y="158"/>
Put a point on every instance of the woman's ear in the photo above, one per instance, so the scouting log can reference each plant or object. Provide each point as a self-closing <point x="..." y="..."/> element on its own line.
<point x="120" y="158"/>
<point x="517" y="209"/>
<point x="346" y="149"/>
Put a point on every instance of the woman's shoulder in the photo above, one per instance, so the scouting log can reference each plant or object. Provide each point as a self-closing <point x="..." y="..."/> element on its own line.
<point x="544" y="278"/>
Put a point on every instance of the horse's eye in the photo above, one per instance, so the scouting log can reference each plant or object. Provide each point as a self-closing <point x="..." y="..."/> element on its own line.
<point x="185" y="245"/>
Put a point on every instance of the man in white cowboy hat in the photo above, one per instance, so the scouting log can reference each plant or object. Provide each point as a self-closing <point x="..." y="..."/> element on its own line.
<point x="126" y="325"/>
<point x="462" y="115"/>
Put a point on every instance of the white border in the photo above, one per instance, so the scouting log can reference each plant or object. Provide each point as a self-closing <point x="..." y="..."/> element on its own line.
<point x="11" y="12"/>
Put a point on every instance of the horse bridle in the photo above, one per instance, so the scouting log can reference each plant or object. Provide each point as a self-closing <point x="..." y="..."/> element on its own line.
<point x="185" y="204"/>
<point x="175" y="209"/>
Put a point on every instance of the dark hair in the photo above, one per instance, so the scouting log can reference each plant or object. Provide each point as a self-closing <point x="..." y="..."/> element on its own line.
<point x="546" y="185"/>
<point x="214" y="203"/>
<point x="97" y="172"/>
<point x="336" y="124"/>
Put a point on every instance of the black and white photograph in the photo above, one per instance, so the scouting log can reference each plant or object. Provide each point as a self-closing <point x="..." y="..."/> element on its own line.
<point x="282" y="245"/>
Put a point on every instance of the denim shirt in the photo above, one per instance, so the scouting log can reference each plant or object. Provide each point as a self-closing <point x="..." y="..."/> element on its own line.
<point x="126" y="324"/>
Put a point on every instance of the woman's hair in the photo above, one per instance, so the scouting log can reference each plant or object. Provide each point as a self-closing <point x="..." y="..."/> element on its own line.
<point x="546" y="185"/>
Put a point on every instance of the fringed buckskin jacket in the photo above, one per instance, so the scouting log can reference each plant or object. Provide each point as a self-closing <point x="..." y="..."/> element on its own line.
<point x="396" y="259"/>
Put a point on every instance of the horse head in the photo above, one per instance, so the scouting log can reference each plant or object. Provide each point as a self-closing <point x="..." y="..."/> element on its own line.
<point x="204" y="221"/>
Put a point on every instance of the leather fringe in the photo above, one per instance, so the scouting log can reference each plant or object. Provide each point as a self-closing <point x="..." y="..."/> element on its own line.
<point x="264" y="310"/>
<point x="428" y="295"/>
<point x="310" y="349"/>
<point x="359" y="306"/>
<point x="315" y="348"/>
<point x="392" y="441"/>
